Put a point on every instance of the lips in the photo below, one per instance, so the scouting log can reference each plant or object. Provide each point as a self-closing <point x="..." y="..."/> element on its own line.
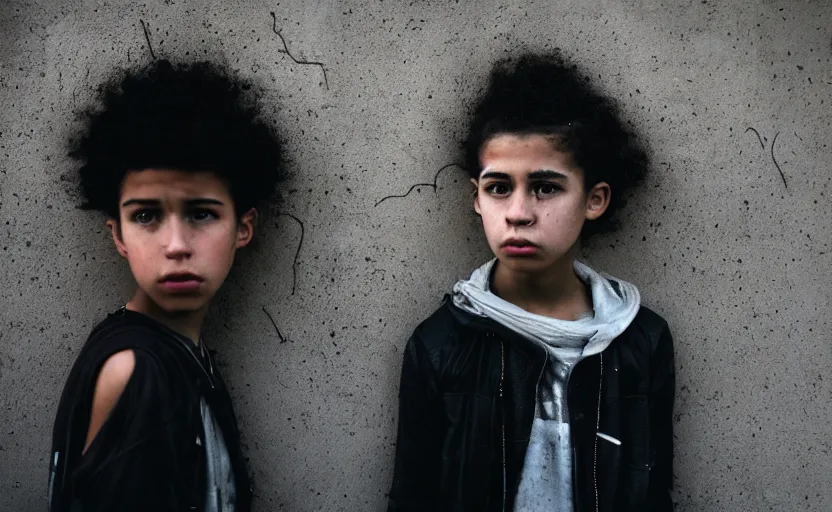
<point x="181" y="282"/>
<point x="517" y="242"/>
<point x="178" y="277"/>
<point x="519" y="247"/>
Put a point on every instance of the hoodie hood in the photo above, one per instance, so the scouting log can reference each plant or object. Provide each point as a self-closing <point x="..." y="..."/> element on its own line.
<point x="615" y="304"/>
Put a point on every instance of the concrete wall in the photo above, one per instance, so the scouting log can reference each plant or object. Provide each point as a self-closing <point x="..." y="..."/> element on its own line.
<point x="734" y="255"/>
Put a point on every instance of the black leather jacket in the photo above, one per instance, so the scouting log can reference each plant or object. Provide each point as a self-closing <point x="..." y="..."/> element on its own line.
<point x="467" y="402"/>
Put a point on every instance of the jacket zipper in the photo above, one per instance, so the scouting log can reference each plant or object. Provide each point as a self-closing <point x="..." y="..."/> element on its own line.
<point x="503" y="417"/>
<point x="597" y="418"/>
<point x="597" y="429"/>
<point x="537" y="401"/>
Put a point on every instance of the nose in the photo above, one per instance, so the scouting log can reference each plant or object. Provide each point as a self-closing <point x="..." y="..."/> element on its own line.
<point x="520" y="210"/>
<point x="177" y="239"/>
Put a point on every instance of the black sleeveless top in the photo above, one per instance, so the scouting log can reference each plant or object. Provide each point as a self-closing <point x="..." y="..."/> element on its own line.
<point x="148" y="454"/>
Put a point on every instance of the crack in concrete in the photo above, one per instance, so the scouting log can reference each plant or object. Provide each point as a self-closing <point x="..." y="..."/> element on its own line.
<point x="773" y="158"/>
<point x="414" y="187"/>
<point x="147" y="38"/>
<point x="297" y="252"/>
<point x="287" y="52"/>
<point x="280" y="336"/>
<point x="782" y="176"/>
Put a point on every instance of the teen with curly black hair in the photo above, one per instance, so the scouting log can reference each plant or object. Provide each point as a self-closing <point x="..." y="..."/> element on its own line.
<point x="540" y="384"/>
<point x="178" y="158"/>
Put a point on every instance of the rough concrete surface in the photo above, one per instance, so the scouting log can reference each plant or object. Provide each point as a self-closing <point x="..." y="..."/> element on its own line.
<point x="730" y="239"/>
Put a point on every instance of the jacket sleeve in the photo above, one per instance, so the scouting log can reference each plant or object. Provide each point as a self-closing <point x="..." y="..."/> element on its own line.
<point x="662" y="391"/>
<point x="417" y="474"/>
<point x="132" y="465"/>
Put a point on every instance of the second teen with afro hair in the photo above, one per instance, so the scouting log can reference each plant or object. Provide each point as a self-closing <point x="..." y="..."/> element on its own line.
<point x="540" y="384"/>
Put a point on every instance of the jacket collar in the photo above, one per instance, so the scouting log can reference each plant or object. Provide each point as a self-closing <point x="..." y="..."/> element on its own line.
<point x="487" y="325"/>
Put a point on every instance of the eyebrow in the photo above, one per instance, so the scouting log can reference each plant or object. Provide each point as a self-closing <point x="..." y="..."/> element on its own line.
<point x="547" y="174"/>
<point x="535" y="175"/>
<point x="200" y="201"/>
<point x="495" y="175"/>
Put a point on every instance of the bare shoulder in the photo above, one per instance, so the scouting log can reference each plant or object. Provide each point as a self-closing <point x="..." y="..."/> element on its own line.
<point x="113" y="377"/>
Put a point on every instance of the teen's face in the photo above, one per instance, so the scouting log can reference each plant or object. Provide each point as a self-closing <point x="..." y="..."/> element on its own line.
<point x="179" y="233"/>
<point x="533" y="201"/>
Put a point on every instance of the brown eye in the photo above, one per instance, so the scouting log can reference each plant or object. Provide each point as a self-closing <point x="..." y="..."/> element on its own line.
<point x="202" y="215"/>
<point x="497" y="189"/>
<point x="545" y="189"/>
<point x="144" y="217"/>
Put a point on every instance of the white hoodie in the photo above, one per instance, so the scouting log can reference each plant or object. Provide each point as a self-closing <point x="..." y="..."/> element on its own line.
<point x="546" y="480"/>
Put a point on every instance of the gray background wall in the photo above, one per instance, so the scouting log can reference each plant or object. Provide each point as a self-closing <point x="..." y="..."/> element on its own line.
<point x="736" y="261"/>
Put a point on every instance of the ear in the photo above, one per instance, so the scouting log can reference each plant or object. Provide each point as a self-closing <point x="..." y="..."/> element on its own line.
<point x="597" y="200"/>
<point x="245" y="228"/>
<point x="476" y="196"/>
<point x="115" y="230"/>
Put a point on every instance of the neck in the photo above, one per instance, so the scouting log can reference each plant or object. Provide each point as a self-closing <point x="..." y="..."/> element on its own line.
<point x="188" y="324"/>
<point x="556" y="291"/>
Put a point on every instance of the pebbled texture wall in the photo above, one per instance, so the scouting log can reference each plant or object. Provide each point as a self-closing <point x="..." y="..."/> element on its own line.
<point x="729" y="239"/>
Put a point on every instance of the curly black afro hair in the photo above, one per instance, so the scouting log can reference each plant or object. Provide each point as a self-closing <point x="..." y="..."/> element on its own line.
<point x="188" y="117"/>
<point x="544" y="94"/>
